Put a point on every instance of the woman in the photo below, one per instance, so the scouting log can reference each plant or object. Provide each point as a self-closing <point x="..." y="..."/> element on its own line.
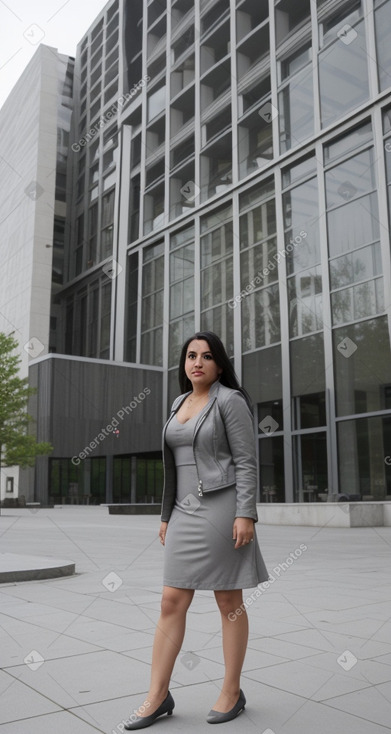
<point x="208" y="516"/>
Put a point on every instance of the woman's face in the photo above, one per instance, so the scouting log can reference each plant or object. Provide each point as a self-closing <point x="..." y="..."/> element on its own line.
<point x="200" y="367"/>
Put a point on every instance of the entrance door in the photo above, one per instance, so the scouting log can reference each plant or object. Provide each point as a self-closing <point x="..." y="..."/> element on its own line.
<point x="310" y="465"/>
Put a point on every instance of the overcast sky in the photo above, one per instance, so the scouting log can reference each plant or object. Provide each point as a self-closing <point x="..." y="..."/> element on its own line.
<point x="57" y="23"/>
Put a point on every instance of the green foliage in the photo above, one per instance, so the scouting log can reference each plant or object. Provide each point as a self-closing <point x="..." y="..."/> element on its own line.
<point x="17" y="445"/>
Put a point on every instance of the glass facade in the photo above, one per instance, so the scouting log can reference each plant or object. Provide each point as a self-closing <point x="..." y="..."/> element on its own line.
<point x="245" y="187"/>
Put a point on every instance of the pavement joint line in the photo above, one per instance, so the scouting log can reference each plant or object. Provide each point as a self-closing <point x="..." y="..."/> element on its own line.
<point x="72" y="697"/>
<point x="358" y="716"/>
<point x="62" y="634"/>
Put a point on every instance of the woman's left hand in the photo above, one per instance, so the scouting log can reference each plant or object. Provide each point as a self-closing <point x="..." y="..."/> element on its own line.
<point x="243" y="531"/>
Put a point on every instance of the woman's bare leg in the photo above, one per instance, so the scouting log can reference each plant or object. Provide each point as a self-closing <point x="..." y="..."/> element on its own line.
<point x="170" y="631"/>
<point x="235" y="638"/>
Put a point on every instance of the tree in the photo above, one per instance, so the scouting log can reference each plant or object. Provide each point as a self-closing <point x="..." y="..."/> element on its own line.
<point x="18" y="447"/>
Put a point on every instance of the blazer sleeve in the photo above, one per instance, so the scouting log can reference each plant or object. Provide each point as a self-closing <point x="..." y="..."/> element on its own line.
<point x="239" y="430"/>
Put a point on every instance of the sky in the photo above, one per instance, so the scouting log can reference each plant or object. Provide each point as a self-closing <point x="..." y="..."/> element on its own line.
<point x="27" y="23"/>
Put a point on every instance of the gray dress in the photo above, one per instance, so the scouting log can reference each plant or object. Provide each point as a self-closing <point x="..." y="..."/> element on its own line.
<point x="199" y="549"/>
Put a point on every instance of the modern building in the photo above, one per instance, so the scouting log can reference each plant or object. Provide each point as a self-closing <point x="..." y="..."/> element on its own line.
<point x="229" y="169"/>
<point x="34" y="142"/>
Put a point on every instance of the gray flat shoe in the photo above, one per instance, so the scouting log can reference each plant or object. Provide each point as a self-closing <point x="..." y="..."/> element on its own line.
<point x="141" y="722"/>
<point x="217" y="717"/>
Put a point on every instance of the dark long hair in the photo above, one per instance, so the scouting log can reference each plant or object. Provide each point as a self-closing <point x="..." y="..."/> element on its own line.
<point x="228" y="376"/>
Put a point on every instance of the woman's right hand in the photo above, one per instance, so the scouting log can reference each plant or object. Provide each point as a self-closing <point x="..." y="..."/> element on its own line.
<point x="162" y="532"/>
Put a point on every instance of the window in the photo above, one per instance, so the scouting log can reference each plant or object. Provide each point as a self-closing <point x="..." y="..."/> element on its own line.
<point x="383" y="32"/>
<point x="295" y="98"/>
<point x="343" y="73"/>
<point x="362" y="446"/>
<point x="181" y="291"/>
<point x="92" y="235"/>
<point x="289" y="16"/>
<point x="105" y="316"/>
<point x="216" y="167"/>
<point x="216" y="247"/>
<point x="152" y="305"/>
<point x="107" y="224"/>
<point x="132" y="307"/>
<point x="353" y="224"/>
<point x="255" y="143"/>
<point x="156" y="102"/>
<point x="362" y="364"/>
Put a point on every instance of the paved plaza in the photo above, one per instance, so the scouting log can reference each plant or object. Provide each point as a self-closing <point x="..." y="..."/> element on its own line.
<point x="75" y="651"/>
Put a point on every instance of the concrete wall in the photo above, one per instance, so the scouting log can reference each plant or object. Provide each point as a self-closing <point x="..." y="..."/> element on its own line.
<point x="326" y="514"/>
<point x="28" y="121"/>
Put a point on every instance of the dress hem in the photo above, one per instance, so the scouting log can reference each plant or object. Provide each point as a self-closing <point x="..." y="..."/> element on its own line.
<point x="218" y="587"/>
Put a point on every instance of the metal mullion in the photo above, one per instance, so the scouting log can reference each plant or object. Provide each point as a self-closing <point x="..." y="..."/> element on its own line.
<point x="285" y="344"/>
<point x="197" y="273"/>
<point x="369" y="31"/>
<point x="331" y="432"/>
<point x="359" y="282"/>
<point x="315" y="69"/>
<point x="166" y="319"/>
<point x="234" y="99"/>
<point x="363" y="416"/>
<point x="197" y="103"/>
<point x="237" y="312"/>
<point x="166" y="158"/>
<point x="309" y="431"/>
<point x="139" y="304"/>
<point x="361" y="320"/>
<point x="273" y="80"/>
<point x="143" y="128"/>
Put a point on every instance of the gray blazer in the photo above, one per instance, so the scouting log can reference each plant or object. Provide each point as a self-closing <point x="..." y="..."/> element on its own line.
<point x="224" y="451"/>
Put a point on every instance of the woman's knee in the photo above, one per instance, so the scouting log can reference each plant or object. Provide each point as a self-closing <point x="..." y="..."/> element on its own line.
<point x="175" y="601"/>
<point x="229" y="601"/>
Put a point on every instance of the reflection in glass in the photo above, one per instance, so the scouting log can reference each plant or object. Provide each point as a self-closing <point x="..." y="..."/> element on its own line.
<point x="309" y="411"/>
<point x="362" y="364"/>
<point x="359" y="301"/>
<point x="261" y="318"/>
<point x="217" y="283"/>
<point x="310" y="467"/>
<point x="355" y="266"/>
<point x="181" y="298"/>
<point x="305" y="302"/>
<point x="258" y="264"/>
<point x="307" y="365"/>
<point x="220" y="320"/>
<point x="152" y="306"/>
<point x="262" y="377"/>
<point x="179" y="331"/>
<point x="255" y="144"/>
<point x="271" y="461"/>
<point x="301" y="222"/>
<point x="296" y="101"/>
<point x="271" y="409"/>
<point x="354" y="224"/>
<point x="383" y="33"/>
<point x="258" y="223"/>
<point x="363" y="445"/>
<point x="341" y="145"/>
<point x="343" y="73"/>
<point x="351" y="178"/>
<point x="216" y="244"/>
<point x="182" y="263"/>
